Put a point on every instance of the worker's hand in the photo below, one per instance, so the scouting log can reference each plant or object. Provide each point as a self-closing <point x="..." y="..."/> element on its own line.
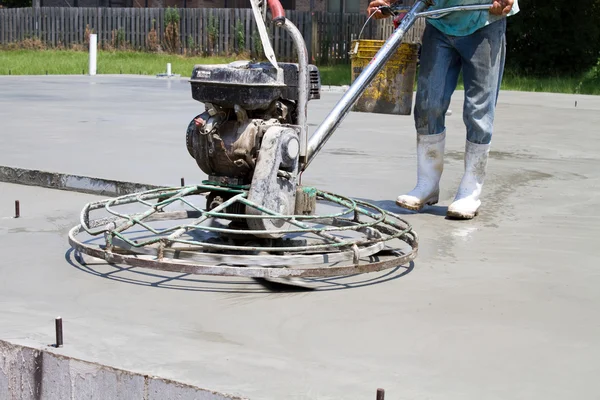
<point x="373" y="9"/>
<point x="501" y="7"/>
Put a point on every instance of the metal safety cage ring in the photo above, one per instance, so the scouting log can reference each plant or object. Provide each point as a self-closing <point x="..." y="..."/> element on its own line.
<point x="382" y="240"/>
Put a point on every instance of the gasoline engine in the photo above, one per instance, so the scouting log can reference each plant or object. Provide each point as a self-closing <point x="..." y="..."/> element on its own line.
<point x="249" y="134"/>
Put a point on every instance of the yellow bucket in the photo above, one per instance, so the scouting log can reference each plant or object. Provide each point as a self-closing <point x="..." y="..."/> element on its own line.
<point x="391" y="92"/>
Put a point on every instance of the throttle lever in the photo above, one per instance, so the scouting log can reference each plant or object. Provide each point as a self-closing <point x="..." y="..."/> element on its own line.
<point x="393" y="9"/>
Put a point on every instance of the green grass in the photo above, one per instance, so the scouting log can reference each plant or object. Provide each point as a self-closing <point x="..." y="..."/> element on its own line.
<point x="68" y="62"/>
<point x="587" y="84"/>
<point x="336" y="75"/>
<point x="582" y="85"/>
<point x="513" y="81"/>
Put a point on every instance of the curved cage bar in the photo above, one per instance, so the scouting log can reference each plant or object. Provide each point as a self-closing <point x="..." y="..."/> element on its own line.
<point x="172" y="229"/>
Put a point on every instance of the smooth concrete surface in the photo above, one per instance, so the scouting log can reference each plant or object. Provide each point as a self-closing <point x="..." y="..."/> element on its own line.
<point x="502" y="307"/>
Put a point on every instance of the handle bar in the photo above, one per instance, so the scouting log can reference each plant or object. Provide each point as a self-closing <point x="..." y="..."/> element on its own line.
<point x="277" y="11"/>
<point x="436" y="14"/>
<point x="398" y="7"/>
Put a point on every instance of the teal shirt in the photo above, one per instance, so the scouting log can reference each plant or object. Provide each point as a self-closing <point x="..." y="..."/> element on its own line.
<point x="463" y="23"/>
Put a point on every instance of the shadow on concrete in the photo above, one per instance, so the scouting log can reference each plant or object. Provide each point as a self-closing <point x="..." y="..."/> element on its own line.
<point x="390" y="206"/>
<point x="197" y="283"/>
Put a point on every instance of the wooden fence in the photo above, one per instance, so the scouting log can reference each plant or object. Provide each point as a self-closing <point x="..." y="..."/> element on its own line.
<point x="201" y="30"/>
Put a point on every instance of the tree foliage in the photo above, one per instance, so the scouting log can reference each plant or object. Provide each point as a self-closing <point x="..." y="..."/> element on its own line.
<point x="15" y="3"/>
<point x="551" y="37"/>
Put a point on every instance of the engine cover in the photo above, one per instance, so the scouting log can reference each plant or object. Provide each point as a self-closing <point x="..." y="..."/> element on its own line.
<point x="252" y="86"/>
<point x="224" y="147"/>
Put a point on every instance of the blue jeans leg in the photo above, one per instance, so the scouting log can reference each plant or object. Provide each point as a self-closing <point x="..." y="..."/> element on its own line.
<point x="483" y="54"/>
<point x="481" y="57"/>
<point x="438" y="75"/>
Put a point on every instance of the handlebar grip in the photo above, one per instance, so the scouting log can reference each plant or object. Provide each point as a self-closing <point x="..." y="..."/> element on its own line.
<point x="277" y="11"/>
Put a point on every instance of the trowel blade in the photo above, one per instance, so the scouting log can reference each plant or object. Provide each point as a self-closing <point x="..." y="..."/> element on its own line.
<point x="264" y="36"/>
<point x="287" y="284"/>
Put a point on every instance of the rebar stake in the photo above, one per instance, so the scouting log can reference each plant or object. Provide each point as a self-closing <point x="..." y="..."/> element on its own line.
<point x="17" y="209"/>
<point x="380" y="394"/>
<point x="182" y="182"/>
<point x="59" y="332"/>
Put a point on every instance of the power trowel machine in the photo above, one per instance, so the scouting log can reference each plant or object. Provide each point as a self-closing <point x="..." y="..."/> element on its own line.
<point x="252" y="217"/>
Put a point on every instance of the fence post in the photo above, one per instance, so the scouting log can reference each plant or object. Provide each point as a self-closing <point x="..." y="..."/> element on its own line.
<point x="93" y="53"/>
<point x="314" y="37"/>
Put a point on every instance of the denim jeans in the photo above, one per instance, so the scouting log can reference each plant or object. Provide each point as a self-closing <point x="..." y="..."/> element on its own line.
<point x="481" y="57"/>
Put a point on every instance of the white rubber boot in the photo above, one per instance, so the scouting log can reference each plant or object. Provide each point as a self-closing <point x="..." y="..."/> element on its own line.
<point x="466" y="203"/>
<point x="430" y="164"/>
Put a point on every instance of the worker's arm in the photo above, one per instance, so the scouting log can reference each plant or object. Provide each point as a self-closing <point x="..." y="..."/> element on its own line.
<point x="501" y="7"/>
<point x="374" y="8"/>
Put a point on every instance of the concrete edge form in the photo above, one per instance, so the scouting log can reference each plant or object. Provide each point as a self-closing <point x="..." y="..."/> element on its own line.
<point x="73" y="183"/>
<point x="30" y="373"/>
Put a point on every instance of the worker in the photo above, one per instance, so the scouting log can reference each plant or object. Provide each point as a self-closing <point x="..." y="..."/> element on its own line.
<point x="473" y="42"/>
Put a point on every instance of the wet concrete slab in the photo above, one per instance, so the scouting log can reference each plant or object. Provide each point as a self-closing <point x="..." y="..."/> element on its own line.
<point x="504" y="306"/>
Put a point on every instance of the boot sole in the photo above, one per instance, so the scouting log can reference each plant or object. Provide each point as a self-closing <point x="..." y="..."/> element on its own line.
<point x="416" y="208"/>
<point x="461" y="216"/>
